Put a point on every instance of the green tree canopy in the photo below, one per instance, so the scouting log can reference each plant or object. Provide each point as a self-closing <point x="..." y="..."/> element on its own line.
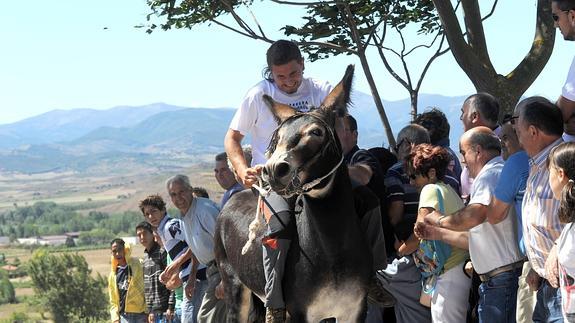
<point x="65" y="286"/>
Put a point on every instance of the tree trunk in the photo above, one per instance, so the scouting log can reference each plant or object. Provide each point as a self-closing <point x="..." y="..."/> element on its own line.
<point x="506" y="92"/>
<point x="475" y="62"/>
<point x="413" y="98"/>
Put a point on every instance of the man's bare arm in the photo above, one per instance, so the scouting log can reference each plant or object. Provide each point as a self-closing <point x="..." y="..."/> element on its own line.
<point x="360" y="173"/>
<point x="497" y="211"/>
<point x="233" y="146"/>
<point x="567" y="108"/>
<point x="395" y="212"/>
<point x="470" y="216"/>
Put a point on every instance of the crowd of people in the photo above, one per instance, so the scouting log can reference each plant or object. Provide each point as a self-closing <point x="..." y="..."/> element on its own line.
<point x="481" y="236"/>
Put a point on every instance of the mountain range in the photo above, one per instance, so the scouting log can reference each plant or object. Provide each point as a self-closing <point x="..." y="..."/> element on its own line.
<point x="161" y="134"/>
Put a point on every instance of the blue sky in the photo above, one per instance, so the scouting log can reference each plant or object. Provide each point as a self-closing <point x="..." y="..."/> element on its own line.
<point x="68" y="54"/>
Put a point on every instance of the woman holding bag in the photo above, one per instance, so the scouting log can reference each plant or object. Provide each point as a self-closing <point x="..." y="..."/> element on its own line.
<point x="442" y="255"/>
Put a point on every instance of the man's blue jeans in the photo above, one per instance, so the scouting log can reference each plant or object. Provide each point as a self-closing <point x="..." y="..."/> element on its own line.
<point x="498" y="297"/>
<point x="548" y="306"/>
<point x="191" y="307"/>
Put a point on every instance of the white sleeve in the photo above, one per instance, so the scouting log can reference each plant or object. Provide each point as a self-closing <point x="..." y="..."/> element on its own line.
<point x="568" y="91"/>
<point x="483" y="189"/>
<point x="245" y="117"/>
<point x="567" y="251"/>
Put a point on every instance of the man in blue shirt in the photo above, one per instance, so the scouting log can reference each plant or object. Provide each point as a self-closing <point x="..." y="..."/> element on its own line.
<point x="509" y="193"/>
<point x="226" y="178"/>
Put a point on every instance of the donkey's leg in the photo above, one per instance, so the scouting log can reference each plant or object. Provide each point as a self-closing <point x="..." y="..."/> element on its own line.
<point x="232" y="292"/>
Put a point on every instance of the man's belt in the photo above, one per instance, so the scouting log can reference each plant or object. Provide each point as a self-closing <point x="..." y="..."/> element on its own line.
<point x="500" y="270"/>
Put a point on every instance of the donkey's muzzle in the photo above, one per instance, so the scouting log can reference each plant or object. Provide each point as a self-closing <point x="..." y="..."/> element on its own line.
<point x="278" y="174"/>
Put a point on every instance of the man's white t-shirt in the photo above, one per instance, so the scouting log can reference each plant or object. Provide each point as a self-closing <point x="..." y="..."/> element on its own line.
<point x="255" y="118"/>
<point x="492" y="245"/>
<point x="568" y="90"/>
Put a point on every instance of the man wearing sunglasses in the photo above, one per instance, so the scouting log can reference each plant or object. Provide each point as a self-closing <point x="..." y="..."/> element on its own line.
<point x="563" y="13"/>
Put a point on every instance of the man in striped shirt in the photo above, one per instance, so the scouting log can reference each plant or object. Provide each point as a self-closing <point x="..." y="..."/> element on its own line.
<point x="172" y="235"/>
<point x="539" y="128"/>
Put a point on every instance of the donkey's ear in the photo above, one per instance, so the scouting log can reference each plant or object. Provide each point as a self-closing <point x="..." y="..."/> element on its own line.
<point x="338" y="98"/>
<point x="279" y="110"/>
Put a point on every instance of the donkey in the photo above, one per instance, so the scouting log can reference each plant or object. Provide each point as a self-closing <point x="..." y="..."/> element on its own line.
<point x="328" y="266"/>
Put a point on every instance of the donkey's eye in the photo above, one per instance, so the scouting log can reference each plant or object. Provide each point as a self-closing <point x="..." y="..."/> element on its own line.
<point x="316" y="132"/>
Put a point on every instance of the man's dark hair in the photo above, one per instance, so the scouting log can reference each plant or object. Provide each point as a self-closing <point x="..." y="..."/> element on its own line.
<point x="435" y="122"/>
<point x="222" y="157"/>
<point x="565" y="4"/>
<point x="154" y="200"/>
<point x="144" y="225"/>
<point x="542" y="114"/>
<point x="200" y="191"/>
<point x="281" y="52"/>
<point x="352" y="122"/>
<point x="119" y="242"/>
<point x="487" y="106"/>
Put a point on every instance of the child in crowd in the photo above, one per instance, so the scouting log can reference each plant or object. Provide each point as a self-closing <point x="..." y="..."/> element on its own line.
<point x="561" y="163"/>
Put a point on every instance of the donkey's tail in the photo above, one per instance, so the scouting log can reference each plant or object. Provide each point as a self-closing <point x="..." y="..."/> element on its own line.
<point x="257" y="221"/>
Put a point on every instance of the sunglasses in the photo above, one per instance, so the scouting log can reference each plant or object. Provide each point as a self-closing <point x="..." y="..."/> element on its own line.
<point x="511" y="119"/>
<point x="412" y="176"/>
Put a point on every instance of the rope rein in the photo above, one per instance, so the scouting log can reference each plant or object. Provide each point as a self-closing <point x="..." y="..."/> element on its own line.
<point x="257" y="221"/>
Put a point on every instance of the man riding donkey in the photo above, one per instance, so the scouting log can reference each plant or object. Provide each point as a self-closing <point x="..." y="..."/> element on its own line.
<point x="284" y="83"/>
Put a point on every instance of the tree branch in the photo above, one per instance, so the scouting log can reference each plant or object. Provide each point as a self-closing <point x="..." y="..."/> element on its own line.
<point x="462" y="52"/>
<point x="438" y="53"/>
<point x="402" y="57"/>
<point x="379" y="46"/>
<point x="541" y="49"/>
<point x="475" y="32"/>
<point x="298" y="3"/>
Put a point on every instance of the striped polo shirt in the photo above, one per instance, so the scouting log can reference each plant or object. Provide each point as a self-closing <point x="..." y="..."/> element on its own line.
<point x="541" y="225"/>
<point x="173" y="238"/>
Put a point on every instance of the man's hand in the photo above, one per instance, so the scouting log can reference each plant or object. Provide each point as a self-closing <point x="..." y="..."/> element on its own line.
<point x="431" y="218"/>
<point x="151" y="318"/>
<point x="169" y="315"/>
<point x="189" y="291"/>
<point x="533" y="280"/>
<point x="249" y="176"/>
<point x="168" y="273"/>
<point x="219" y="291"/>
<point x="423" y="230"/>
<point x="551" y="268"/>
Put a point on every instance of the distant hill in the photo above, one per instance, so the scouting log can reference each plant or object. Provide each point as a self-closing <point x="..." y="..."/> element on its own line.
<point x="65" y="125"/>
<point x="162" y="135"/>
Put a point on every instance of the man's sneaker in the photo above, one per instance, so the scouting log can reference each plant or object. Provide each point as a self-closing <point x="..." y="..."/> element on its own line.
<point x="275" y="315"/>
<point x="378" y="295"/>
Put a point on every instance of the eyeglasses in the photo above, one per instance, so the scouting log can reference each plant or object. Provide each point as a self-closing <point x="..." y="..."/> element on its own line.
<point x="412" y="176"/>
<point x="510" y="119"/>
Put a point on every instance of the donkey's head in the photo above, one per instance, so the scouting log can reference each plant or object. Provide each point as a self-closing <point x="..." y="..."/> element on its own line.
<point x="304" y="152"/>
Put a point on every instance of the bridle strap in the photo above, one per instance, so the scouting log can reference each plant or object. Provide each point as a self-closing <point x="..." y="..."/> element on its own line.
<point x="308" y="186"/>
